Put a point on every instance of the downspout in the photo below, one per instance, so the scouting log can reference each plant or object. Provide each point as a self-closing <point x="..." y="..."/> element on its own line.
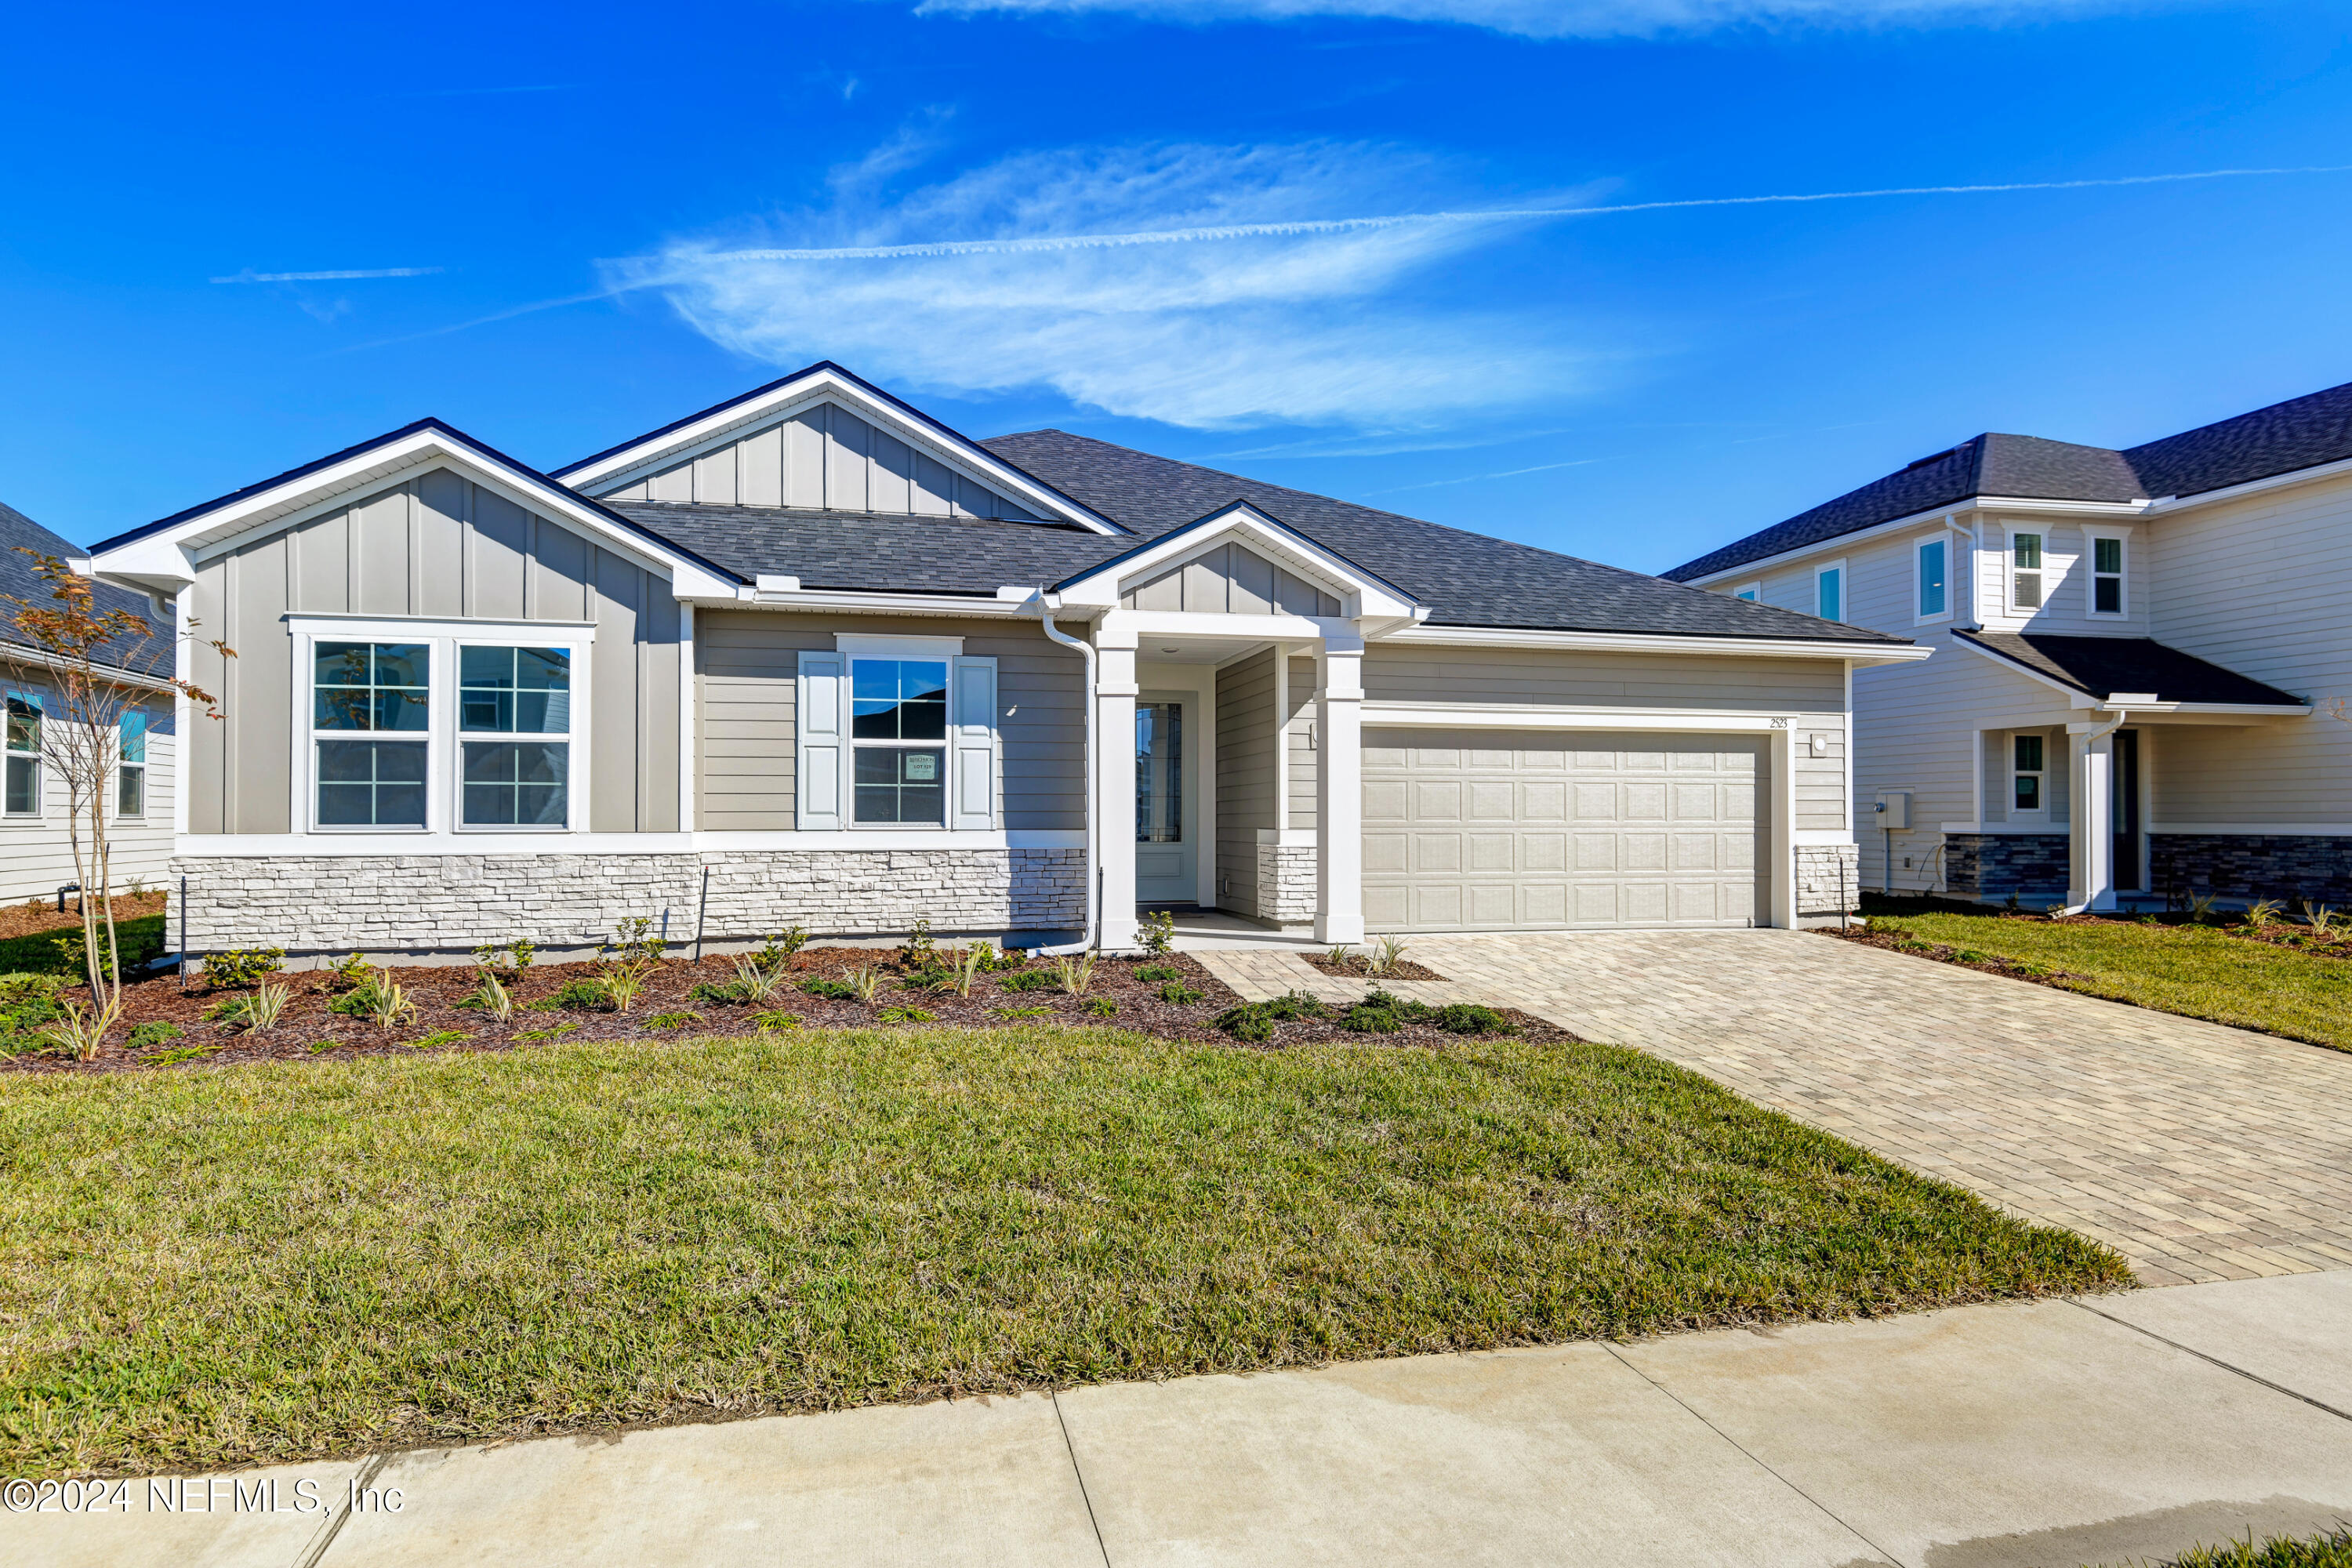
<point x="1051" y="602"/>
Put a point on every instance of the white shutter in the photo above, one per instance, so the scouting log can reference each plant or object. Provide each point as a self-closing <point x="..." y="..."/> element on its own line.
<point x="971" y="738"/>
<point x="822" y="677"/>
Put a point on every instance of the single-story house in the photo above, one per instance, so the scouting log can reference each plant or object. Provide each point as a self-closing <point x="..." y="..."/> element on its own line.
<point x="810" y="657"/>
<point x="35" y="852"/>
<point x="2143" y="655"/>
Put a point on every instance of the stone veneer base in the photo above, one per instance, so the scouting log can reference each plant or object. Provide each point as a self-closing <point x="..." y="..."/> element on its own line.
<point x="1829" y="879"/>
<point x="429" y="903"/>
<point x="1991" y="867"/>
<point x="2252" y="866"/>
<point x="1285" y="885"/>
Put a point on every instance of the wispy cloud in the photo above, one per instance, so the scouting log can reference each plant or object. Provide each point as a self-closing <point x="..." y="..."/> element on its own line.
<point x="1570" y="19"/>
<point x="341" y="275"/>
<point x="492" y="91"/>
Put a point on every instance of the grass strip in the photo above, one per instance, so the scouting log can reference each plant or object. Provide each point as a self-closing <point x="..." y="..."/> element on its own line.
<point x="272" y="1262"/>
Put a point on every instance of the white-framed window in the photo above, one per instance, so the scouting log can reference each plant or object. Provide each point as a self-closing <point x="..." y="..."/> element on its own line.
<point x="458" y="726"/>
<point x="1751" y="592"/>
<point x="2025" y="569"/>
<point x="1931" y="578"/>
<point x="1828" y="591"/>
<point x="131" y="763"/>
<point x="896" y="734"/>
<point x="22" y="790"/>
<point x="2029" y="783"/>
<point x="2108" y="554"/>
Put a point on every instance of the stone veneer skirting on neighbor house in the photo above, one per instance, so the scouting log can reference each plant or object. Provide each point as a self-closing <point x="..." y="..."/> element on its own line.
<point x="1829" y="879"/>
<point x="2251" y="866"/>
<point x="414" y="903"/>
<point x="1993" y="866"/>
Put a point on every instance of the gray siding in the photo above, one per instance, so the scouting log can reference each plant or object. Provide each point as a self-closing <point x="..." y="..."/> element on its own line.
<point x="748" y="664"/>
<point x="441" y="546"/>
<point x="1535" y="678"/>
<point x="823" y="457"/>
<point x="1304" y="751"/>
<point x="1245" y="775"/>
<point x="1231" y="580"/>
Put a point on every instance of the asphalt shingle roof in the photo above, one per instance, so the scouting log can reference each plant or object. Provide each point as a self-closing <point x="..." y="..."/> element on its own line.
<point x="19" y="577"/>
<point x="2301" y="433"/>
<point x="2101" y="666"/>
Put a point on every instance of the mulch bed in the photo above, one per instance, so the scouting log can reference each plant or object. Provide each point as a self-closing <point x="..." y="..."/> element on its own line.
<point x="1355" y="967"/>
<point x="41" y="914"/>
<point x="308" y="1031"/>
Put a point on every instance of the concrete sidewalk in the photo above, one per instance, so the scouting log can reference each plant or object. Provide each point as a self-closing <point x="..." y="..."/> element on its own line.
<point x="2055" y="1433"/>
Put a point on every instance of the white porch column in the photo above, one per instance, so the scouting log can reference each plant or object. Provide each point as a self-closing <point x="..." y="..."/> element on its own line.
<point x="1782" y="792"/>
<point x="1113" y="782"/>
<point x="2090" y="880"/>
<point x="1340" y="791"/>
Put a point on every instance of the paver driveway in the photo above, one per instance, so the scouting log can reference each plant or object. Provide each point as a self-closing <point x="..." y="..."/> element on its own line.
<point x="2200" y="1152"/>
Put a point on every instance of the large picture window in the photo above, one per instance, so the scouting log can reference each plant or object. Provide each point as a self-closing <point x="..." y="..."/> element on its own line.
<point x="524" y="693"/>
<point x="371" y="709"/>
<point x="894" y="702"/>
<point x="24" y="755"/>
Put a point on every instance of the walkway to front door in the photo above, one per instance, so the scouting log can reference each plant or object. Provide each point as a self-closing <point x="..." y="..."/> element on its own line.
<point x="2198" y="1152"/>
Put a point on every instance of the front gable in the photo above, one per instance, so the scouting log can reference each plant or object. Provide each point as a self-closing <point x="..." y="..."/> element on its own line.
<point x="1238" y="560"/>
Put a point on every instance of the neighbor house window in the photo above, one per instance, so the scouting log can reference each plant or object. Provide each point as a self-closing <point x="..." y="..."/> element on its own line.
<point x="1829" y="592"/>
<point x="898" y="733"/>
<point x="523" y="695"/>
<point x="370" y="711"/>
<point x="24" y="755"/>
<point x="1932" y="560"/>
<point x="130" y="764"/>
<point x="2106" y="577"/>
<point x="2026" y="571"/>
<point x="1751" y="592"/>
<point x="2027" y="771"/>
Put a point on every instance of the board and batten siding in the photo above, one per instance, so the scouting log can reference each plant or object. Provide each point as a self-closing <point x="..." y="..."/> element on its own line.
<point x="443" y="547"/>
<point x="826" y="459"/>
<point x="1231" y="579"/>
<point x="747" y="665"/>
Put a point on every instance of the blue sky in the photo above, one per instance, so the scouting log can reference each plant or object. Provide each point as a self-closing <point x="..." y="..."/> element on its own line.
<point x="600" y="218"/>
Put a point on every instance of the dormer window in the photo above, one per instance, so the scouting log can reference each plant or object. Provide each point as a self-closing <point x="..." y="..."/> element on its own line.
<point x="2024" y="571"/>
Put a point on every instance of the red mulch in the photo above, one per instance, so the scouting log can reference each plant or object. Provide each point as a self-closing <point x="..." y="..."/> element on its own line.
<point x="307" y="1031"/>
<point x="1354" y="967"/>
<point x="41" y="914"/>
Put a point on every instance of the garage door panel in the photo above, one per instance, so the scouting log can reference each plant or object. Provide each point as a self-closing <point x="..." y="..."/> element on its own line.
<point x="1495" y="829"/>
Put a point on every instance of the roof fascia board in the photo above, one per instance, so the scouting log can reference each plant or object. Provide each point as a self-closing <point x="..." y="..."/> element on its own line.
<point x="624" y="465"/>
<point x="115" y="674"/>
<point x="1366" y="593"/>
<point x="1662" y="642"/>
<point x="1946" y="514"/>
<point x="856" y="602"/>
<point x="2254" y="487"/>
<point x="174" y="552"/>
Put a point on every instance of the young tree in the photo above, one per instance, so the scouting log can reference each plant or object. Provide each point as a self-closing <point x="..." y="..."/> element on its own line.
<point x="88" y="652"/>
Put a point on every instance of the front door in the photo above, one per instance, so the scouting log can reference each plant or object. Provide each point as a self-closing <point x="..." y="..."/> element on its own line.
<point x="2123" y="806"/>
<point x="1165" y="812"/>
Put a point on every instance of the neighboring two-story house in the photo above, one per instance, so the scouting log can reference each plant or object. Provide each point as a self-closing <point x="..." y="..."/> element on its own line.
<point x="2139" y="660"/>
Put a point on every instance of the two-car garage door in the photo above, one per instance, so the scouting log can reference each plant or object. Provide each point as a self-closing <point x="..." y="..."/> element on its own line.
<point x="1487" y="829"/>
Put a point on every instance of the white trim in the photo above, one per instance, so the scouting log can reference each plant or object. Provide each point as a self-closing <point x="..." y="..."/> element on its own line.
<point x="1286" y="837"/>
<point x="2252" y="487"/>
<point x="689" y="729"/>
<point x="1360" y="594"/>
<point x="855" y="601"/>
<point x="1942" y="537"/>
<point x="2255" y="829"/>
<point x="297" y="844"/>
<point x="860" y="646"/>
<point x="38" y="702"/>
<point x="2091" y="537"/>
<point x="2011" y="774"/>
<point x="1751" y="592"/>
<point x="393" y="628"/>
<point x="1657" y="642"/>
<point x="1472" y="716"/>
<point x="2059" y="828"/>
<point x="621" y="467"/>
<point x="2039" y="535"/>
<point x="1845" y="590"/>
<point x="1945" y="513"/>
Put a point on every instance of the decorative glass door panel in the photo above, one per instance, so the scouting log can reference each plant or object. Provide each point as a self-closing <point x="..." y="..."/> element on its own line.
<point x="1164" y="849"/>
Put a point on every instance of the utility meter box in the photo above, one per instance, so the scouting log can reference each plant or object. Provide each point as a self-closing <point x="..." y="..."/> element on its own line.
<point x="1894" y="811"/>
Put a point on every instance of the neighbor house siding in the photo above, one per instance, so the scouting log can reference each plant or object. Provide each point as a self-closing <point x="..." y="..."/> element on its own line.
<point x="443" y="547"/>
<point x="36" y="852"/>
<point x="823" y="457"/>
<point x="747" y="665"/>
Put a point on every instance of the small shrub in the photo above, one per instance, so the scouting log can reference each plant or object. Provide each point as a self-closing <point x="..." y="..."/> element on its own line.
<point x="1074" y="975"/>
<point x="1472" y="1019"/>
<point x="153" y="1033"/>
<point x="260" y="1010"/>
<point x="1294" y="1004"/>
<point x="436" y="1039"/>
<point x="905" y="1016"/>
<point x="964" y="966"/>
<point x="2032" y="971"/>
<point x="1152" y="973"/>
<point x="535" y="1036"/>
<point x="17" y="988"/>
<point x="389" y="1006"/>
<point x="491" y="996"/>
<point x="315" y="1047"/>
<point x="721" y="993"/>
<point x="1158" y="933"/>
<point x="1022" y="1012"/>
<point x="777" y="1020"/>
<point x="1101" y="1008"/>
<point x="776" y="951"/>
<point x="1249" y="1022"/>
<point x="919" y="951"/>
<point x="82" y="1030"/>
<point x="577" y="996"/>
<point x="994" y="960"/>
<point x="1030" y="980"/>
<point x="1971" y="955"/>
<point x="831" y="990"/>
<point x="865" y="981"/>
<point x="2201" y="906"/>
<point x="635" y="952"/>
<point x="673" y="1020"/>
<point x="2322" y="919"/>
<point x="242" y="966"/>
<point x="1363" y="1018"/>
<point x="351" y="973"/>
<point x="509" y="957"/>
<point x="2262" y="912"/>
<point x="1179" y="993"/>
<point x="755" y="981"/>
<point x="1386" y="955"/>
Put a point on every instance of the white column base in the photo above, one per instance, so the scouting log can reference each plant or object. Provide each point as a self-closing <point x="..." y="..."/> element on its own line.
<point x="1332" y="931"/>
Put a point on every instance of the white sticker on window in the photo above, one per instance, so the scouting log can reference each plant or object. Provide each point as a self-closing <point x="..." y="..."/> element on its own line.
<point x="922" y="769"/>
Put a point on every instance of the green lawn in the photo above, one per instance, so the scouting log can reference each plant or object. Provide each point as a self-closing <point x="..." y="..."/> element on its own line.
<point x="2191" y="970"/>
<point x="2333" y="1550"/>
<point x="213" y="1265"/>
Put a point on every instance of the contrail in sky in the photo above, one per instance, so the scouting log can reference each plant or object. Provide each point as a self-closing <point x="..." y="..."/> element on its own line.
<point x="251" y="276"/>
<point x="1394" y="220"/>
